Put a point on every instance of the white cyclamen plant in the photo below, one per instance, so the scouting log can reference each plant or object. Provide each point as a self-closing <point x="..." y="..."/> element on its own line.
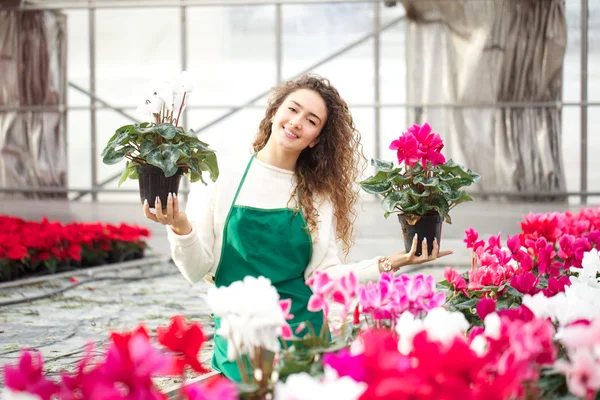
<point x="161" y="141"/>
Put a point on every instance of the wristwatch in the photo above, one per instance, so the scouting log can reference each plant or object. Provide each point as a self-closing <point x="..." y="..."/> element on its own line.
<point x="385" y="264"/>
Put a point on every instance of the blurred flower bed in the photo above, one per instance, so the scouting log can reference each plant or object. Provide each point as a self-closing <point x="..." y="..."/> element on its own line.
<point x="522" y="323"/>
<point x="30" y="248"/>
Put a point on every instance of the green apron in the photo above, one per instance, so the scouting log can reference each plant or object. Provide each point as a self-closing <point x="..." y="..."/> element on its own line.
<point x="273" y="243"/>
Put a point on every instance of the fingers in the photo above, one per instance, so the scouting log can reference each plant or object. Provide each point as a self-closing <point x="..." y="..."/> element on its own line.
<point x="162" y="218"/>
<point x="170" y="209"/>
<point x="435" y="250"/>
<point x="147" y="212"/>
<point x="445" y="253"/>
<point x="424" y="250"/>
<point x="175" y="206"/>
<point x="413" y="247"/>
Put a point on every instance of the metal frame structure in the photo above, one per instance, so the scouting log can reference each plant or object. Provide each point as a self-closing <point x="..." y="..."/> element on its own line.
<point x="98" y="104"/>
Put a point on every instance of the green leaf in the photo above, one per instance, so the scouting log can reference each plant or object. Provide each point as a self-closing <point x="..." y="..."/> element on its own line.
<point x="146" y="147"/>
<point x="440" y="204"/>
<point x="463" y="197"/>
<point x="124" y="175"/>
<point x="112" y="156"/>
<point x="164" y="157"/>
<point x="445" y="188"/>
<point x="390" y="201"/>
<point x="380" y="165"/>
<point x="408" y="202"/>
<point x="467" y="305"/>
<point x="431" y="182"/>
<point x="210" y="164"/>
<point x="376" y="184"/>
<point x="413" y="192"/>
<point x="400" y="180"/>
<point x="167" y="131"/>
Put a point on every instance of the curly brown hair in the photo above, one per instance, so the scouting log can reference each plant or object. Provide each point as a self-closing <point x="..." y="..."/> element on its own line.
<point x="329" y="169"/>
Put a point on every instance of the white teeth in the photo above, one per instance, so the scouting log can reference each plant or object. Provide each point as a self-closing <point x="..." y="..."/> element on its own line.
<point x="290" y="133"/>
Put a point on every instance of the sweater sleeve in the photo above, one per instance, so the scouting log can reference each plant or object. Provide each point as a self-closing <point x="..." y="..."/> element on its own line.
<point x="193" y="253"/>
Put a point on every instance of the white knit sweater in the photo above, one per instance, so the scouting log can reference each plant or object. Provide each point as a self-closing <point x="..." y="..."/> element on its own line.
<point x="197" y="253"/>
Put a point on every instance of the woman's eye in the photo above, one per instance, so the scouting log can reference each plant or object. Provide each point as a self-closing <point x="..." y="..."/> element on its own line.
<point x="292" y="109"/>
<point x="312" y="122"/>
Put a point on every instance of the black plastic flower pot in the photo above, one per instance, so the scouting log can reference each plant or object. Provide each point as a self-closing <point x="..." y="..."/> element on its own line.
<point x="153" y="183"/>
<point x="427" y="227"/>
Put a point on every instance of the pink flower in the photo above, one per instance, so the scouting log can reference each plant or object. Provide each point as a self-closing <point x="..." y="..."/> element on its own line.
<point x="322" y="286"/>
<point x="513" y="244"/>
<point x="217" y="388"/>
<point x="429" y="143"/>
<point x="456" y="280"/>
<point x="556" y="286"/>
<point x="407" y="150"/>
<point x="286" y="330"/>
<point x="583" y="373"/>
<point x="525" y="283"/>
<point x="471" y="237"/>
<point x="28" y="376"/>
<point x="484" y="307"/>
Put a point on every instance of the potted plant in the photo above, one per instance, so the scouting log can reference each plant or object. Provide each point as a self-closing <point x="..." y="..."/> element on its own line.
<point x="423" y="188"/>
<point x="159" y="152"/>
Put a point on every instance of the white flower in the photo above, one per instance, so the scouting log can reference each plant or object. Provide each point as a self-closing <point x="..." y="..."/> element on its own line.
<point x="407" y="327"/>
<point x="302" y="386"/>
<point x="444" y="326"/>
<point x="540" y="305"/>
<point x="479" y="345"/>
<point x="250" y="315"/>
<point x="8" y="394"/>
<point x="441" y="325"/>
<point x="492" y="325"/>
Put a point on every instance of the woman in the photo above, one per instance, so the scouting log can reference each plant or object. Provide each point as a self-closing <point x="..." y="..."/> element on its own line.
<point x="278" y="212"/>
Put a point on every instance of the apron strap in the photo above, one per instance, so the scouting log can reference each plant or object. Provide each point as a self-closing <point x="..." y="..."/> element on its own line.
<point x="242" y="180"/>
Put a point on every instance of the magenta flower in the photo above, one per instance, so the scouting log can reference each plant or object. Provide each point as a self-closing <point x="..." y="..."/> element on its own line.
<point x="346" y="364"/>
<point x="556" y="285"/>
<point x="513" y="244"/>
<point x="471" y="237"/>
<point x="430" y="144"/>
<point x="525" y="283"/>
<point x="28" y="376"/>
<point x="407" y="150"/>
<point x="217" y="388"/>
<point x="484" y="307"/>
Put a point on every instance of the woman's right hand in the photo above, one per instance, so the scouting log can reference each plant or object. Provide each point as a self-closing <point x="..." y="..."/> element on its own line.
<point x="177" y="220"/>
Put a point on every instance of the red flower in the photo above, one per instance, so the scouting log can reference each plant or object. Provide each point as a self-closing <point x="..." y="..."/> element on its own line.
<point x="185" y="340"/>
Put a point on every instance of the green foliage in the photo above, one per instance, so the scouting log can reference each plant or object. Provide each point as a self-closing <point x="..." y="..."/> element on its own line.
<point x="420" y="191"/>
<point x="165" y="146"/>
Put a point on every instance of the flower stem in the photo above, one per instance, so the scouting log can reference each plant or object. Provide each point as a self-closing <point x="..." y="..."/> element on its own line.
<point x="180" y="108"/>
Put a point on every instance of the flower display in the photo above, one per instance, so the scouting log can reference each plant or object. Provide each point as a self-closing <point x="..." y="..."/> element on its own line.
<point x="522" y="323"/>
<point x="27" y="247"/>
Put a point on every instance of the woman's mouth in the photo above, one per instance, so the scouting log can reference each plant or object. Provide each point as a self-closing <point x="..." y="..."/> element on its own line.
<point x="289" y="134"/>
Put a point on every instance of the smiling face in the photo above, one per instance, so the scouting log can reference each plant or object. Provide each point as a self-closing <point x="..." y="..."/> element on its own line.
<point x="299" y="121"/>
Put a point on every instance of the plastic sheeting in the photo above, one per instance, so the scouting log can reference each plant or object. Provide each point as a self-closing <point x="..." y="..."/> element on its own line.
<point x="32" y="143"/>
<point x="485" y="52"/>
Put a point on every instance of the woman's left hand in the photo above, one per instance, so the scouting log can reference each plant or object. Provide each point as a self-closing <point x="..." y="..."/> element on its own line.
<point x="403" y="258"/>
